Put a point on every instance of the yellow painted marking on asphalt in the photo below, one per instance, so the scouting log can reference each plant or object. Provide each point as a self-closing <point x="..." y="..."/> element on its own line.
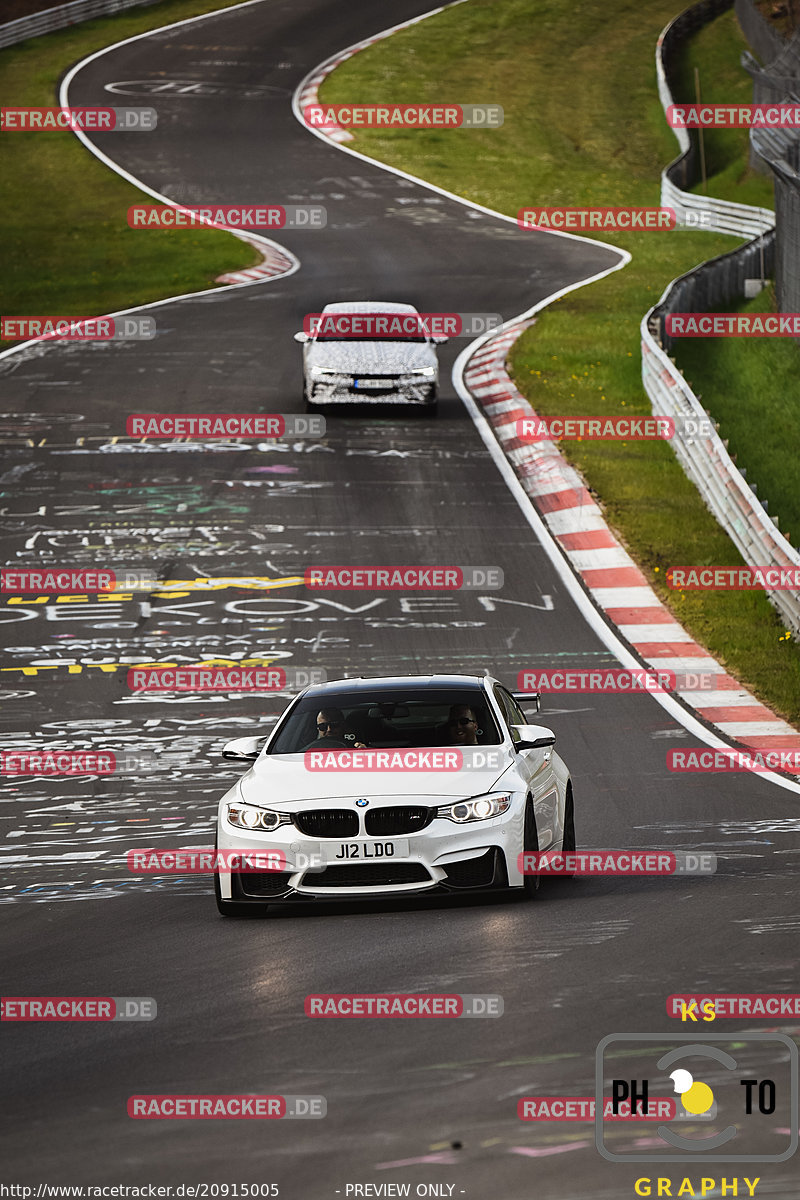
<point x="167" y="588"/>
<point x="110" y="668"/>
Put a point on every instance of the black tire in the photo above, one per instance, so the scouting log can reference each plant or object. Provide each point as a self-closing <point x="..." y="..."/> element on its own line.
<point x="530" y="840"/>
<point x="568" y="841"/>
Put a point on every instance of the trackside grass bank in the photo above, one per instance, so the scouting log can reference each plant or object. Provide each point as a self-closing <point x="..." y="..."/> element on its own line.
<point x="583" y="125"/>
<point x="67" y="248"/>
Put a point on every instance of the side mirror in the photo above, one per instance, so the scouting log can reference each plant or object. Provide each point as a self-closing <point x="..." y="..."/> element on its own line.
<point x="302" y="336"/>
<point x="532" y="737"/>
<point x="243" y="749"/>
<point x="440" y="339"/>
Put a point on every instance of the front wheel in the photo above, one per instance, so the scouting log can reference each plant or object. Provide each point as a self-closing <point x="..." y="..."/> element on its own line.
<point x="568" y="840"/>
<point x="568" y="836"/>
<point x="530" y="839"/>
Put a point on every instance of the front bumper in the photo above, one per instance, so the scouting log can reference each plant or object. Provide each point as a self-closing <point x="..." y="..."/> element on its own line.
<point x="393" y="392"/>
<point x="483" y="873"/>
<point x="443" y="857"/>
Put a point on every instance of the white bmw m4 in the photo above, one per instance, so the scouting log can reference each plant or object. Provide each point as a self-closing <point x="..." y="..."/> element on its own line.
<point x="376" y="787"/>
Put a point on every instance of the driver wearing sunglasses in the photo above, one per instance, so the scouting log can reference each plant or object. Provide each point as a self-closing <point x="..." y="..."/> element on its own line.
<point x="331" y="734"/>
<point x="462" y="726"/>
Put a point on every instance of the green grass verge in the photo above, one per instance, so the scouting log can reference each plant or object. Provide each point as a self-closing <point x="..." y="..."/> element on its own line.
<point x="583" y="125"/>
<point x="66" y="246"/>
<point x="750" y="387"/>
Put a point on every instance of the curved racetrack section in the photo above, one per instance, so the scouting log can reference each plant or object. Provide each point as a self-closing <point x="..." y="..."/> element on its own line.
<point x="409" y="1102"/>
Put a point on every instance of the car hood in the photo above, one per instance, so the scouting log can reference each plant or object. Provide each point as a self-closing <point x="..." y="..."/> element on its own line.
<point x="379" y="358"/>
<point x="281" y="780"/>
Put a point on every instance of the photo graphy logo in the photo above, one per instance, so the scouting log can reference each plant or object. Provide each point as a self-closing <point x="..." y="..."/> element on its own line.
<point x="747" y="1082"/>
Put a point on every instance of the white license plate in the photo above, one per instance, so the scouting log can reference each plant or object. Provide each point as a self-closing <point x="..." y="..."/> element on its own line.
<point x="365" y="384"/>
<point x="366" y="852"/>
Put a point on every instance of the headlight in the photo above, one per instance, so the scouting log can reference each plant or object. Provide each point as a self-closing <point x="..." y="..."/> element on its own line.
<point x="247" y="816"/>
<point x="478" y="809"/>
<point x="316" y="372"/>
<point x="429" y="371"/>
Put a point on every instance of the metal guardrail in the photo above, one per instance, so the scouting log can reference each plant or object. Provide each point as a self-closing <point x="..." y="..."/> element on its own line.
<point x="713" y="285"/>
<point x="705" y="458"/>
<point x="722" y="216"/>
<point x="61" y="17"/>
<point x="722" y="485"/>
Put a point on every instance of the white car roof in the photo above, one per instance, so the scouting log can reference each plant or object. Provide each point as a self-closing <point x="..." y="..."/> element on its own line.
<point x="368" y="306"/>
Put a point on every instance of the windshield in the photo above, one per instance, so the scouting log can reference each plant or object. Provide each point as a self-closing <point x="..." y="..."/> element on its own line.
<point x="384" y="341"/>
<point x="382" y="719"/>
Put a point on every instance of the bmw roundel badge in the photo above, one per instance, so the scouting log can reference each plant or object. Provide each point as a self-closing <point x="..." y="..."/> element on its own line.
<point x="362" y="803"/>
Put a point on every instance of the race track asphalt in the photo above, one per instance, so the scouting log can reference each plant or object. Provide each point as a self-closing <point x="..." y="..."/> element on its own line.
<point x="409" y="1102"/>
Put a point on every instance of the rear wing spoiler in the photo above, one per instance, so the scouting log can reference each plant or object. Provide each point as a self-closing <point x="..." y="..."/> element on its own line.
<point x="529" y="698"/>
